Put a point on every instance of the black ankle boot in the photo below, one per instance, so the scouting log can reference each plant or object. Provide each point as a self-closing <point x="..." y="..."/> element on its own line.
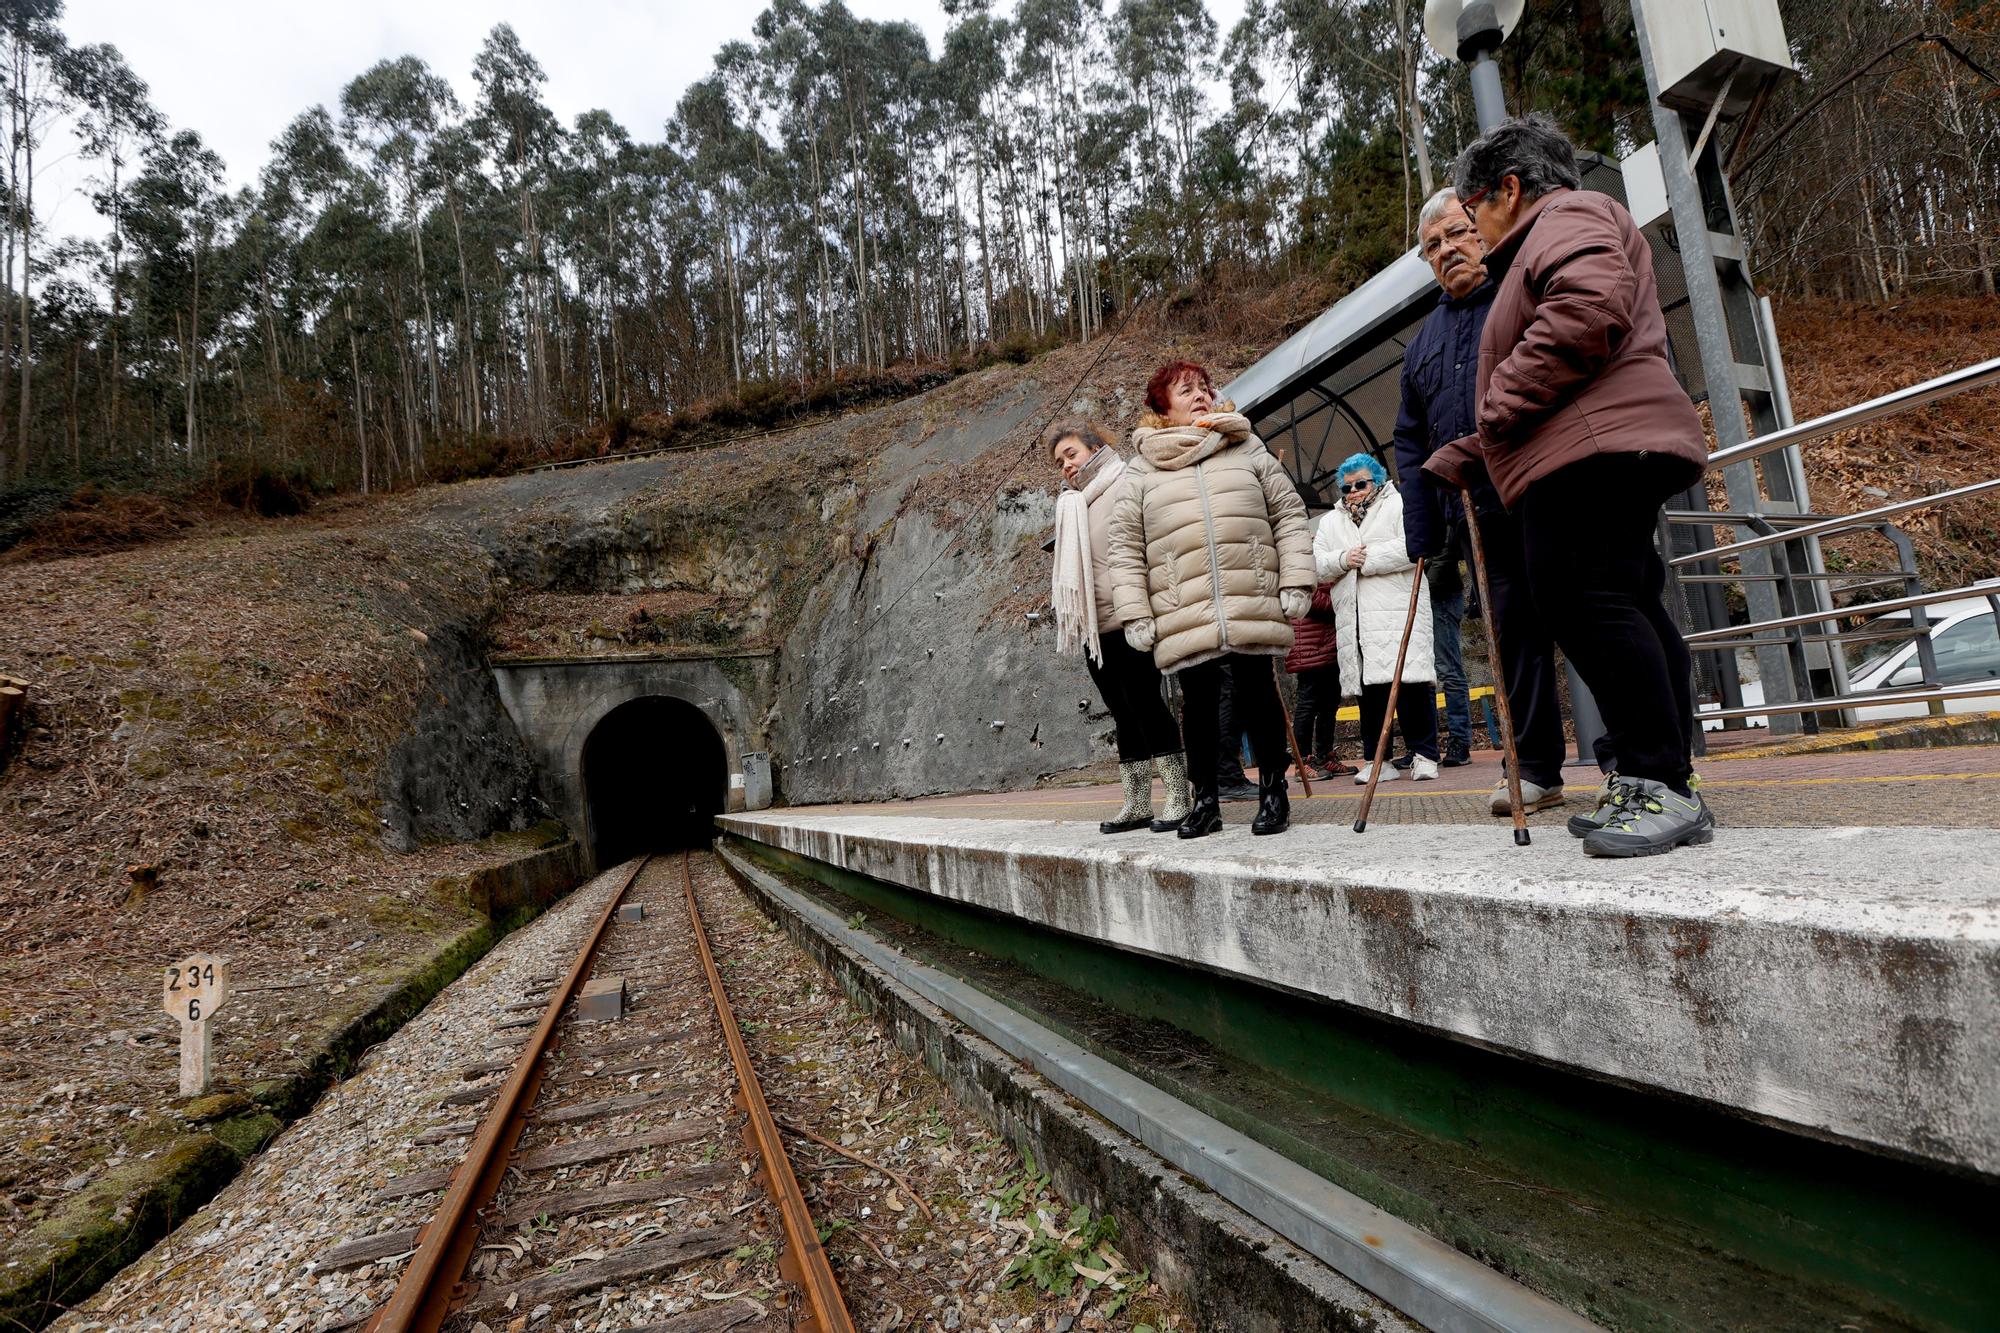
<point x="1274" y="805"/>
<point x="1206" y="816"/>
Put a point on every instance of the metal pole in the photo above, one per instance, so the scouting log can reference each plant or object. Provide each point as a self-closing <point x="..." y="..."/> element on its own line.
<point x="1724" y="373"/>
<point x="1489" y="106"/>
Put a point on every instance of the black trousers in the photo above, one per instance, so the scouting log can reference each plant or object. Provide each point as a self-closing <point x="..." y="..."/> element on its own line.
<point x="1319" y="707"/>
<point x="1255" y="706"/>
<point x="1587" y="535"/>
<point x="1129" y="684"/>
<point x="1527" y="651"/>
<point x="1416" y="717"/>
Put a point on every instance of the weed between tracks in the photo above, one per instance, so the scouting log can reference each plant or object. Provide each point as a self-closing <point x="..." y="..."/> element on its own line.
<point x="998" y="1249"/>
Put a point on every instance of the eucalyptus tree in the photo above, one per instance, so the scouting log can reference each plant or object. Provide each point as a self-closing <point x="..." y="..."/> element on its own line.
<point x="394" y="114"/>
<point x="115" y="118"/>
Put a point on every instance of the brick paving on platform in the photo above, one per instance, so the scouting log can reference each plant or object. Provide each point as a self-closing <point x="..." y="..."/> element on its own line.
<point x="1957" y="787"/>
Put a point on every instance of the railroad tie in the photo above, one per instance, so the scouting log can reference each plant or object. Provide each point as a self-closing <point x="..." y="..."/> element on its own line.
<point x="596" y="1150"/>
<point x="367" y="1250"/>
<point x="713" y="1319"/>
<point x="644" y="1260"/>
<point x="570" y="1203"/>
<point x="463" y="1129"/>
<point x="416" y="1182"/>
<point x="632" y="1101"/>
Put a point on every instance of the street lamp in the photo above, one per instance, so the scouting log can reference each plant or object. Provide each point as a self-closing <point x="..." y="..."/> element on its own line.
<point x="1471" y="31"/>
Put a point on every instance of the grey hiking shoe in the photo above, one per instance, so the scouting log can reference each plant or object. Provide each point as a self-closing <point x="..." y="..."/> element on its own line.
<point x="1653" y="819"/>
<point x="1534" y="796"/>
<point x="1609" y="800"/>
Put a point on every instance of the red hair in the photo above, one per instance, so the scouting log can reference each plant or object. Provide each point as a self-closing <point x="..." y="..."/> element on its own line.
<point x="1167" y="376"/>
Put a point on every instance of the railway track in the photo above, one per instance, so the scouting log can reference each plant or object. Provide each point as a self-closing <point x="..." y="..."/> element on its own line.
<point x="602" y="1168"/>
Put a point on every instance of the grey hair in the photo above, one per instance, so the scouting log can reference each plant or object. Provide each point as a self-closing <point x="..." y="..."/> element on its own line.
<point x="1531" y="147"/>
<point x="1434" y="207"/>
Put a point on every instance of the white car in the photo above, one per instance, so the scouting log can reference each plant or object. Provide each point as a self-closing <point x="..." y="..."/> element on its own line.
<point x="1964" y="637"/>
<point x="1967" y="644"/>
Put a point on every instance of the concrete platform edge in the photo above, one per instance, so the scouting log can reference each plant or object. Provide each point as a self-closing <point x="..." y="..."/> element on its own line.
<point x="1283" y="1207"/>
<point x="1771" y="990"/>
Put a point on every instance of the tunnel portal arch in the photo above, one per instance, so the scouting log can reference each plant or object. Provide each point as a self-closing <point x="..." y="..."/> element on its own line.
<point x="655" y="774"/>
<point x="561" y="707"/>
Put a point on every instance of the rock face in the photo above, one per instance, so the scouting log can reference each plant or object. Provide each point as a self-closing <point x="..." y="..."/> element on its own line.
<point x="461" y="771"/>
<point x="892" y="559"/>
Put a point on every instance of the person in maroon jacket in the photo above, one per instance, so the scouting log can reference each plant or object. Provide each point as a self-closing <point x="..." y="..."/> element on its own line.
<point x="1585" y="432"/>
<point x="1315" y="660"/>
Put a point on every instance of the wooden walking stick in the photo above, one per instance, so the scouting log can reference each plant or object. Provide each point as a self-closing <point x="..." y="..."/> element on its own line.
<point x="1290" y="735"/>
<point x="1395" y="685"/>
<point x="1507" y="751"/>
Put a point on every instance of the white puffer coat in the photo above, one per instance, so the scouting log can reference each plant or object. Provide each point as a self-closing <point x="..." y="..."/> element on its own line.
<point x="1206" y="530"/>
<point x="1370" y="604"/>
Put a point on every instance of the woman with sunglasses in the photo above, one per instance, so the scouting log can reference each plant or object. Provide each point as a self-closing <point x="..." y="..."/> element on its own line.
<point x="1211" y="558"/>
<point x="1360" y="543"/>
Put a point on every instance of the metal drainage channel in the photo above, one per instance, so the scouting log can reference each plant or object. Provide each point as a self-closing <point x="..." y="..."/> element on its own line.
<point x="431" y="1288"/>
<point x="1377" y="1251"/>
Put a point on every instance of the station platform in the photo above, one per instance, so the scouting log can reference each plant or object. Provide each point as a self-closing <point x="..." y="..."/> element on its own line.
<point x="1746" y="1046"/>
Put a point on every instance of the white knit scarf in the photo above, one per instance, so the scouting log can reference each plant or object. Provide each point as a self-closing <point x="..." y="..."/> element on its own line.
<point x="1071" y="591"/>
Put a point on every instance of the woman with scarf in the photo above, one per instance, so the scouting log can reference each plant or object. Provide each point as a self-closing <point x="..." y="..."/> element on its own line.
<point x="1360" y="543"/>
<point x="1211" y="557"/>
<point x="1149" y="740"/>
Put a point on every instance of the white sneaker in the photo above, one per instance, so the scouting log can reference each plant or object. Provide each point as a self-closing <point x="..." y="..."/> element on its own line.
<point x="1424" y="770"/>
<point x="1361" y="778"/>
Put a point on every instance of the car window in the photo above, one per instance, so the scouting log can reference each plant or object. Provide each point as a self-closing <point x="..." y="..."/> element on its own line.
<point x="1968" y="651"/>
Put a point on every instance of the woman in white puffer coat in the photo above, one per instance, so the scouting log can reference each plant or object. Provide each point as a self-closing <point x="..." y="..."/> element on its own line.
<point x="1359" y="547"/>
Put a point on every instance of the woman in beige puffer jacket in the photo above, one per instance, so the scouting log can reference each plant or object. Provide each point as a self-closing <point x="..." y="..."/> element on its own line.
<point x="1211" y="560"/>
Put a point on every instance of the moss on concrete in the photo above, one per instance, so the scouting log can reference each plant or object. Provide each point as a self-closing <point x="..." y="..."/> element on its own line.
<point x="118" y="1216"/>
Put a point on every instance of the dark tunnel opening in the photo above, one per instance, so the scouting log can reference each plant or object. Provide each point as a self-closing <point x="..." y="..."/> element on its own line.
<point x="655" y="776"/>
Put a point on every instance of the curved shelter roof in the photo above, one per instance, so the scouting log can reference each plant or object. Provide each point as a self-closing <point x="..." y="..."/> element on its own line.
<point x="1332" y="388"/>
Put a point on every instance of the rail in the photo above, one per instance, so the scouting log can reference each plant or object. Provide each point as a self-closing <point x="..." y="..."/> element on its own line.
<point x="423" y="1298"/>
<point x="1894" y="403"/>
<point x="1797" y="588"/>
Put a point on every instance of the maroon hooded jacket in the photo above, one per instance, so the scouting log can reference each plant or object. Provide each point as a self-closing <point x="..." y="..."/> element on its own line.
<point x="1573" y="362"/>
<point x="1314" y="643"/>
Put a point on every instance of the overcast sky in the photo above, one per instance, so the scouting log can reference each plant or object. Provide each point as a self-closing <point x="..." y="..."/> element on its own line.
<point x="237" y="71"/>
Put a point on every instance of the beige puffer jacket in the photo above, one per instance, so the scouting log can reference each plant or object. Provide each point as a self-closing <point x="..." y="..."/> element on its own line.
<point x="1206" y="531"/>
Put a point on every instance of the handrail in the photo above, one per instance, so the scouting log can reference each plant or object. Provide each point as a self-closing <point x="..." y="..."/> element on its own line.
<point x="1845" y="523"/>
<point x="1818" y="617"/>
<point x="1840" y="702"/>
<point x="1971" y="377"/>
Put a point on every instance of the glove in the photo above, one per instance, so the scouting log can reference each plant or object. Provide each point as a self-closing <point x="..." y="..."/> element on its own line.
<point x="1457" y="464"/>
<point x="1295" y="602"/>
<point x="1139" y="633"/>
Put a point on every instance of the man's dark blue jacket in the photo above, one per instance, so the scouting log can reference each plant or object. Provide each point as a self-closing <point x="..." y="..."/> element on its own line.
<point x="1440" y="404"/>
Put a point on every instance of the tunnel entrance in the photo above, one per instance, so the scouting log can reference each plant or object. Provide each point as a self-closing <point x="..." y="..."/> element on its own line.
<point x="655" y="775"/>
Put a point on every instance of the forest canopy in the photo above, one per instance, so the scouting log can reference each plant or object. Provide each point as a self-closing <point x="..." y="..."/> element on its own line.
<point x="415" y="279"/>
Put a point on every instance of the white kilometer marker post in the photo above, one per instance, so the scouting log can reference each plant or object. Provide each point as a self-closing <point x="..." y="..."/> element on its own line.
<point x="195" y="988"/>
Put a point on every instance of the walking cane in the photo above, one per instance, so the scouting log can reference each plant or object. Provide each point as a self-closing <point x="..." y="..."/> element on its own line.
<point x="1513" y="759"/>
<point x="1290" y="734"/>
<point x="1389" y="717"/>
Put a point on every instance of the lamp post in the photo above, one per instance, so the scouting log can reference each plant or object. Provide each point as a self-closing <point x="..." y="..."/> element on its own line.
<point x="1472" y="32"/>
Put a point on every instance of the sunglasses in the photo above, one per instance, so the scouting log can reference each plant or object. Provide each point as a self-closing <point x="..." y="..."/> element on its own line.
<point x="1349" y="487"/>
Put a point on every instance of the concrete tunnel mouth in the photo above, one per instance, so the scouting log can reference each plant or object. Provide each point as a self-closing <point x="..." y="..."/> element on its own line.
<point x="655" y="775"/>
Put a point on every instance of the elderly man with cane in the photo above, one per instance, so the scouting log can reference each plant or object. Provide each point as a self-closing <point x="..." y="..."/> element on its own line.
<point x="1584" y="432"/>
<point x="1440" y="386"/>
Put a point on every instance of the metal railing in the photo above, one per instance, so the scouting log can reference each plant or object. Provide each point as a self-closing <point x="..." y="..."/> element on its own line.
<point x="1777" y="532"/>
